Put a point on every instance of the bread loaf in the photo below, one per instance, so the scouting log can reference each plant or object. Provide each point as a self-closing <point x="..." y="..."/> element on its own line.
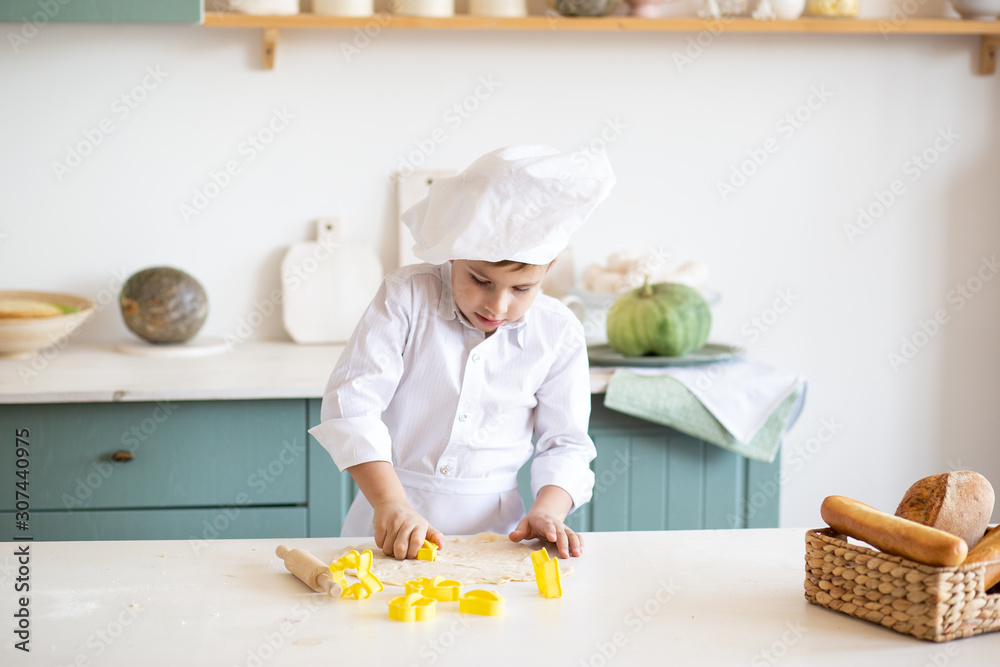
<point x="959" y="503"/>
<point x="988" y="549"/>
<point x="892" y="534"/>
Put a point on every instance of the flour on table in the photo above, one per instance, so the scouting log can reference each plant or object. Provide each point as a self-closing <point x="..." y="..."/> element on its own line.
<point x="486" y="558"/>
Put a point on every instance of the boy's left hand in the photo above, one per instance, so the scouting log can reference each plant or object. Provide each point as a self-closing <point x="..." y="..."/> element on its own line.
<point x="546" y="526"/>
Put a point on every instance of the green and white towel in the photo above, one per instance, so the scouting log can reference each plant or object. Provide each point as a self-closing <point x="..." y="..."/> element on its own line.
<point x="740" y="405"/>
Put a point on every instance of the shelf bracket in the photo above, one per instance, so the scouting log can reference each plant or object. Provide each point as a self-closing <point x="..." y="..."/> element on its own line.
<point x="988" y="54"/>
<point x="270" y="44"/>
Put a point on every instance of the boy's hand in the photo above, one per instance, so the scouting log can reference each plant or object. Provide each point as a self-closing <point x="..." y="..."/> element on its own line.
<point x="546" y="526"/>
<point x="400" y="531"/>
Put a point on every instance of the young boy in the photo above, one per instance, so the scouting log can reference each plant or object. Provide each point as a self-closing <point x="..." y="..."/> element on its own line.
<point x="458" y="361"/>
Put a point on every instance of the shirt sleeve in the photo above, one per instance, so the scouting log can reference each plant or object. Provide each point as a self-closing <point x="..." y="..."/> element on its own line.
<point x="563" y="449"/>
<point x="365" y="380"/>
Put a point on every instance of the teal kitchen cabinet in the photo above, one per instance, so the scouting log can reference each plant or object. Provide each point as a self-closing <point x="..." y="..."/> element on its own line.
<point x="651" y="477"/>
<point x="647" y="477"/>
<point x="164" y="470"/>
<point x="40" y="12"/>
<point x="248" y="468"/>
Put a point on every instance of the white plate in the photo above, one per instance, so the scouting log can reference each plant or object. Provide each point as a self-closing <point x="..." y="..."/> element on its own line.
<point x="603" y="355"/>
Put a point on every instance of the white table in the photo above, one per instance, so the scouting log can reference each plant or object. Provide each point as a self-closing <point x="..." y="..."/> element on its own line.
<point x="658" y="598"/>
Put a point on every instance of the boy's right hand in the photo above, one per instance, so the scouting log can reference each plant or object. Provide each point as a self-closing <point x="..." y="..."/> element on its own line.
<point x="400" y="531"/>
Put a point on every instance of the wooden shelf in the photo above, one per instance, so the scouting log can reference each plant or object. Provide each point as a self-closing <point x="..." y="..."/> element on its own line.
<point x="987" y="31"/>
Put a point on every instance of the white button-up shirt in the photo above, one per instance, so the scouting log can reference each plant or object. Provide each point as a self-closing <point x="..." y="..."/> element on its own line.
<point x="420" y="387"/>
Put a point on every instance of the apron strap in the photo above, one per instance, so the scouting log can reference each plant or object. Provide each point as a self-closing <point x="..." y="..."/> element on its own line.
<point x="457" y="485"/>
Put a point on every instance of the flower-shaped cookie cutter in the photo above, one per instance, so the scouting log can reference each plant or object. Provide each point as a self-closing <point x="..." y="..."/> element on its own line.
<point x="439" y="588"/>
<point x="361" y="563"/>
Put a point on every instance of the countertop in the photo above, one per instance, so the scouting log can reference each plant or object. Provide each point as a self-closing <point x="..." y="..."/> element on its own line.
<point x="93" y="372"/>
<point x="727" y="597"/>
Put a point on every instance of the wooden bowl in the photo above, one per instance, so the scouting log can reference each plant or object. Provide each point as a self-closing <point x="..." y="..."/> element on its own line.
<point x="24" y="337"/>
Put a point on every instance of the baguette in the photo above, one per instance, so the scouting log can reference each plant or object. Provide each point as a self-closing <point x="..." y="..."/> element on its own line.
<point x="988" y="549"/>
<point x="893" y="534"/>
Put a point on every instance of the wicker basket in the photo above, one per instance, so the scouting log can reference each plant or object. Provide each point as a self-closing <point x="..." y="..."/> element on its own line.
<point x="935" y="603"/>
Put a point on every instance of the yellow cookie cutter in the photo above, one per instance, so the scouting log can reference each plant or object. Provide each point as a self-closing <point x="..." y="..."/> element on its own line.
<point x="546" y="574"/>
<point x="439" y="588"/>
<point x="428" y="551"/>
<point x="412" y="607"/>
<point x="484" y="603"/>
<point x="367" y="583"/>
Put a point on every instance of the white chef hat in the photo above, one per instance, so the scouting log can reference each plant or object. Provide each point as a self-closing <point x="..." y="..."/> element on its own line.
<point x="519" y="203"/>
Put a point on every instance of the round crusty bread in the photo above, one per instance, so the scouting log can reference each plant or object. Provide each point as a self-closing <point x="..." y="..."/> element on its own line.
<point x="959" y="503"/>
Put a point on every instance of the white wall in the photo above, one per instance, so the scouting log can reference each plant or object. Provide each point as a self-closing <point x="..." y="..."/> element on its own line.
<point x="684" y="131"/>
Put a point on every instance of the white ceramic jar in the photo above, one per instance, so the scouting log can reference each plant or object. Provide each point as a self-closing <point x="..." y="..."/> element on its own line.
<point x="787" y="10"/>
<point x="344" y="7"/>
<point x="503" y="8"/>
<point x="423" y="7"/>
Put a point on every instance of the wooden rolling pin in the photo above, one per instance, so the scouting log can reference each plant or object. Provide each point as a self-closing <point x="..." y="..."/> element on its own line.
<point x="310" y="570"/>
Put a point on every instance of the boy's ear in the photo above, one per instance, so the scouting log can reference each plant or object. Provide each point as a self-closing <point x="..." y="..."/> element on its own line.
<point x="551" y="264"/>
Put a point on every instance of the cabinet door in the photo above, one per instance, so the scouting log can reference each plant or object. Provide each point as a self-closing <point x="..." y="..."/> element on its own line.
<point x="193" y="524"/>
<point x="39" y="12"/>
<point x="650" y="477"/>
<point x="184" y="454"/>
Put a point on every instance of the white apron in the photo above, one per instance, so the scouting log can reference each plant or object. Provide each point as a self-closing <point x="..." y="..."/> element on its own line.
<point x="455" y="506"/>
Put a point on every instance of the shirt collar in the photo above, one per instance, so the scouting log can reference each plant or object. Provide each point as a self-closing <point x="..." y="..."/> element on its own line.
<point x="448" y="309"/>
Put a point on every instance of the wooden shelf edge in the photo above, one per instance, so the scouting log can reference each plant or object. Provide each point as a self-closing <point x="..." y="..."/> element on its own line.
<point x="885" y="27"/>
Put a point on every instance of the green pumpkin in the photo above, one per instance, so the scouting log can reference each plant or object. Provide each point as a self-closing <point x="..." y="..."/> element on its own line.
<point x="665" y="320"/>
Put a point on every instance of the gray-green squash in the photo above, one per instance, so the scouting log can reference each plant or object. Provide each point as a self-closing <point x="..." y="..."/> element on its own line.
<point x="163" y="305"/>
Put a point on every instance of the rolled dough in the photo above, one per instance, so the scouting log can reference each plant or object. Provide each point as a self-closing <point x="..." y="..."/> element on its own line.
<point x="486" y="558"/>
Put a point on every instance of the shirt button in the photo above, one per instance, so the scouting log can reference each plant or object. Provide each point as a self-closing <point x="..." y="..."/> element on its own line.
<point x="445" y="470"/>
<point x="476" y="357"/>
<point x="463" y="417"/>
